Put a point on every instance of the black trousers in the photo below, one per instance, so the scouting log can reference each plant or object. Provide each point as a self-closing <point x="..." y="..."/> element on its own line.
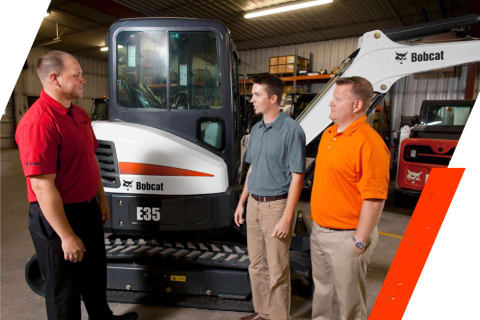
<point x="67" y="281"/>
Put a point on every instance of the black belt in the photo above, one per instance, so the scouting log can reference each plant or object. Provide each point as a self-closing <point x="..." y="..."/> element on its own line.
<point x="334" y="229"/>
<point x="269" y="198"/>
<point x="75" y="203"/>
<point x="80" y="204"/>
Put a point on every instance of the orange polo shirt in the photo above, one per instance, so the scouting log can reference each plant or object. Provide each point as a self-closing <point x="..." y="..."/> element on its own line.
<point x="351" y="166"/>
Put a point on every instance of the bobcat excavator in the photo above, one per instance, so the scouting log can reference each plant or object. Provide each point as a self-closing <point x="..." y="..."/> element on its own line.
<point x="170" y="154"/>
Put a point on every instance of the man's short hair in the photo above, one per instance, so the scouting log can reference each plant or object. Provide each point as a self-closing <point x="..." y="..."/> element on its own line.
<point x="273" y="85"/>
<point x="361" y="87"/>
<point x="51" y="61"/>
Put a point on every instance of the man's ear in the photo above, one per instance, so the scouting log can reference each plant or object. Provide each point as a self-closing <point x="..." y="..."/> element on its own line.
<point x="274" y="99"/>
<point x="358" y="106"/>
<point x="53" y="79"/>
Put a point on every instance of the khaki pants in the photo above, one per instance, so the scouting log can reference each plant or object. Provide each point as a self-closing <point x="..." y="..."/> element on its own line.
<point x="339" y="274"/>
<point x="269" y="260"/>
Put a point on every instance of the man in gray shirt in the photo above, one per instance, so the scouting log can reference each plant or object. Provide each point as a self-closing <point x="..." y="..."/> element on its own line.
<point x="276" y="153"/>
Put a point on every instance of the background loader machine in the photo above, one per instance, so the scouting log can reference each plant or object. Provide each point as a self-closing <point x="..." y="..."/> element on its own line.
<point x="171" y="160"/>
<point x="431" y="143"/>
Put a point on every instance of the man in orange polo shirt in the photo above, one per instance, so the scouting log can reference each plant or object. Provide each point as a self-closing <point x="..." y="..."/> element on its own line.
<point x="349" y="191"/>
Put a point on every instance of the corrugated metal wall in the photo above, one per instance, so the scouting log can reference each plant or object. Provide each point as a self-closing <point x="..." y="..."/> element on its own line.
<point x="94" y="71"/>
<point x="7" y="139"/>
<point x="326" y="54"/>
<point x="409" y="92"/>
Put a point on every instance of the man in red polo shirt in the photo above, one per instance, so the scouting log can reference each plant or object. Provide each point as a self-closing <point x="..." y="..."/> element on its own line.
<point x="349" y="191"/>
<point x="57" y="151"/>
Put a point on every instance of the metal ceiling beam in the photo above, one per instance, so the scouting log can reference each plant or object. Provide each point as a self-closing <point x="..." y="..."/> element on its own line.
<point x="112" y="8"/>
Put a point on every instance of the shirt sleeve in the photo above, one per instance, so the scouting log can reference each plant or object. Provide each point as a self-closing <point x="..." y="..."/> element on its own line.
<point x="296" y="151"/>
<point x="373" y="163"/>
<point x="38" y="144"/>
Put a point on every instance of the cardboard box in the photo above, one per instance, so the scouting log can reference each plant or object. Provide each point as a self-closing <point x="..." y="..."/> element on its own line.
<point x="282" y="60"/>
<point x="273" y="69"/>
<point x="281" y="69"/>
<point x="273" y="61"/>
<point x="290" y="59"/>
<point x="303" y="62"/>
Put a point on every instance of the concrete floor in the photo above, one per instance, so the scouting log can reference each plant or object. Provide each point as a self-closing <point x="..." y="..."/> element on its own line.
<point x="19" y="302"/>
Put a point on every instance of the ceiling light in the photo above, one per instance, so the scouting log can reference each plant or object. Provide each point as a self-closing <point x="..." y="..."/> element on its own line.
<point x="289" y="7"/>
<point x="104" y="49"/>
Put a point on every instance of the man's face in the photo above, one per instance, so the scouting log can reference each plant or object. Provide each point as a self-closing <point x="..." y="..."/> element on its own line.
<point x="71" y="79"/>
<point x="261" y="102"/>
<point x="343" y="105"/>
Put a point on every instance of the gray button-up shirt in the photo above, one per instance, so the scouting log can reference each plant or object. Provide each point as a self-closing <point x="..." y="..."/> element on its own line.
<point x="274" y="151"/>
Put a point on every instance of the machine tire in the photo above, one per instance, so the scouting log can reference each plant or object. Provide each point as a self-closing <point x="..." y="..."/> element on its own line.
<point x="34" y="277"/>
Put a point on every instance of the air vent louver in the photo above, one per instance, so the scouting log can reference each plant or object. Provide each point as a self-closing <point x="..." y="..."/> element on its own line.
<point x="107" y="158"/>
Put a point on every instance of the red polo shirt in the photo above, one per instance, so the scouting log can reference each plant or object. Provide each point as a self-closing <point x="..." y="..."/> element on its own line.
<point x="53" y="139"/>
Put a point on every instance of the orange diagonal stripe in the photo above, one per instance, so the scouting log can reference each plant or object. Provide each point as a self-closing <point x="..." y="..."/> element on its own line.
<point x="158" y="170"/>
<point x="416" y="244"/>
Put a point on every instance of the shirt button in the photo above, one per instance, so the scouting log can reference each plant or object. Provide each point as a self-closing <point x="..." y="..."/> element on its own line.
<point x="334" y="139"/>
<point x="329" y="147"/>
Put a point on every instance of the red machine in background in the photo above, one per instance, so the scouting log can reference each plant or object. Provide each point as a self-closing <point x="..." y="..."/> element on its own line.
<point x="431" y="143"/>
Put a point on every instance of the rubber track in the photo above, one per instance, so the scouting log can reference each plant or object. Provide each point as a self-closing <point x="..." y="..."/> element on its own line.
<point x="212" y="254"/>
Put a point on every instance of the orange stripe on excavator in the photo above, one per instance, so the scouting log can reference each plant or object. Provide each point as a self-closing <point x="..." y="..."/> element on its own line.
<point x="158" y="170"/>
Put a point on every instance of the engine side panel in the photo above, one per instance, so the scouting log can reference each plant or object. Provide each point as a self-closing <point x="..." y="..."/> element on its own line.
<point x="153" y="161"/>
<point x="148" y="215"/>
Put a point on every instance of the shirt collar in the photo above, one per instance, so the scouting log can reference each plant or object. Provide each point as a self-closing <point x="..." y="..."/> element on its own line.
<point x="352" y="127"/>
<point x="54" y="104"/>
<point x="278" y="121"/>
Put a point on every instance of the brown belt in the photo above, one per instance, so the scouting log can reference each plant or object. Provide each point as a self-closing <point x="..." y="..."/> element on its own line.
<point x="269" y="198"/>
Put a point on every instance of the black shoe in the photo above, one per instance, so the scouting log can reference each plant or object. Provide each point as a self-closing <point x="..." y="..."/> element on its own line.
<point x="126" y="316"/>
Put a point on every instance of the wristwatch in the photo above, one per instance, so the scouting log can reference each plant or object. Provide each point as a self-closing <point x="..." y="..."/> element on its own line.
<point x="359" y="244"/>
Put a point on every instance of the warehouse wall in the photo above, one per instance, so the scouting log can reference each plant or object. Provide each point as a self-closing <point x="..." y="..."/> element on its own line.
<point x="94" y="71"/>
<point x="409" y="92"/>
<point x="326" y="54"/>
<point x="7" y="127"/>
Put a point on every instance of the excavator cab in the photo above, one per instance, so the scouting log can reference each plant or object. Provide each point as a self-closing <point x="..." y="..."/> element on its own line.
<point x="180" y="76"/>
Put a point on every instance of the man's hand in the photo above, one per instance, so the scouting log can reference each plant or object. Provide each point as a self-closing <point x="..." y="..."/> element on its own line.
<point x="73" y="248"/>
<point x="239" y="214"/>
<point x="359" y="251"/>
<point x="282" y="228"/>
<point x="51" y="204"/>
<point x="104" y="209"/>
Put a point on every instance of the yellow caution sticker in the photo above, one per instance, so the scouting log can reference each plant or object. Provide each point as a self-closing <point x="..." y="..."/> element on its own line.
<point x="178" y="278"/>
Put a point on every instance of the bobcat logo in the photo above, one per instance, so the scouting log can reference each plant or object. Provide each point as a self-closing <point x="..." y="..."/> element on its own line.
<point x="401" y="57"/>
<point x="127" y="184"/>
<point x="413" y="177"/>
